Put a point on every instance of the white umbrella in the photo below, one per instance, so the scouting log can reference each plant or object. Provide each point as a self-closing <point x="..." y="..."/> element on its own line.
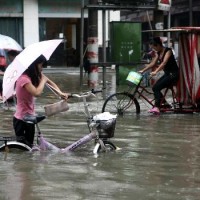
<point x="23" y="61"/>
<point x="9" y="43"/>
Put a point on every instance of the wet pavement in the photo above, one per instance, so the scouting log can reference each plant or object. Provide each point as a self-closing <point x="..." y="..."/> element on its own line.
<point x="159" y="156"/>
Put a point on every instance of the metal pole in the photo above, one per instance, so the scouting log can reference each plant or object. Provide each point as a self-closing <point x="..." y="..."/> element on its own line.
<point x="104" y="46"/>
<point x="108" y="25"/>
<point x="190" y="13"/>
<point x="169" y="26"/>
<point x="149" y="21"/>
<point x="104" y="34"/>
<point x="93" y="51"/>
<point x="82" y="43"/>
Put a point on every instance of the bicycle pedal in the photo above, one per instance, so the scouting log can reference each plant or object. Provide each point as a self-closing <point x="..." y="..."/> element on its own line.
<point x="118" y="148"/>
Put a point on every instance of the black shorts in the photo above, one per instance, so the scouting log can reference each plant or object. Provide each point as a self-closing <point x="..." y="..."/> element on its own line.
<point x="24" y="131"/>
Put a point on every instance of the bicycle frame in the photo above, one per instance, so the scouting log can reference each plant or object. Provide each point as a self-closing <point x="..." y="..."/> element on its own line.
<point x="175" y="105"/>
<point x="44" y="145"/>
<point x="140" y="94"/>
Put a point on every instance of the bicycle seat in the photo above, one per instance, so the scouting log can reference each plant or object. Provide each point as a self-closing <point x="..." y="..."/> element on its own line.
<point x="7" y="138"/>
<point x="33" y="119"/>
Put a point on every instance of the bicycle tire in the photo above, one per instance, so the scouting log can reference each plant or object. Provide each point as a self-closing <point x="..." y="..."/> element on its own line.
<point x="121" y="103"/>
<point x="108" y="145"/>
<point x="14" y="145"/>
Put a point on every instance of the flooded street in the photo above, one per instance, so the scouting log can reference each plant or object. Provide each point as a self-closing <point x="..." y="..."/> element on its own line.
<point x="159" y="156"/>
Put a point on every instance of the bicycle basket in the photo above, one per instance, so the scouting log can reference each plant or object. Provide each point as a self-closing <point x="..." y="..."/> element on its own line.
<point x="134" y="78"/>
<point x="106" y="128"/>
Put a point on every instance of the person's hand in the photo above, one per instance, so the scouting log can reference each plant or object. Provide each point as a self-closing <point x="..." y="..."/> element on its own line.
<point x="64" y="95"/>
<point x="141" y="71"/>
<point x="44" y="78"/>
<point x="153" y="73"/>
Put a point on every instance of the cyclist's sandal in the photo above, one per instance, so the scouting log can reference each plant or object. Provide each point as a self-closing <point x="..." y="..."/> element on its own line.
<point x="155" y="110"/>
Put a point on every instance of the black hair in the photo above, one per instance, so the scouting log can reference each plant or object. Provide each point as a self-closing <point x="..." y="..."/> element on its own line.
<point x="33" y="71"/>
<point x="156" y="41"/>
<point x="13" y="53"/>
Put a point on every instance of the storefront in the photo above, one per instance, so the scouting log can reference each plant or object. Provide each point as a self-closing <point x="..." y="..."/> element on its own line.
<point x="29" y="21"/>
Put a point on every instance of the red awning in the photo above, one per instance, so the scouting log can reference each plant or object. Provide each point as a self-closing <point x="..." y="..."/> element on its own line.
<point x="189" y="53"/>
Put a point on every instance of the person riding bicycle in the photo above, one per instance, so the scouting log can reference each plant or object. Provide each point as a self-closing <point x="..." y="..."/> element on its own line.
<point x="165" y="60"/>
<point x="29" y="85"/>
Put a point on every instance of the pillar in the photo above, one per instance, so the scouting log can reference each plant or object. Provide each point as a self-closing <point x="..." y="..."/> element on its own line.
<point x="31" y="22"/>
<point x="92" y="42"/>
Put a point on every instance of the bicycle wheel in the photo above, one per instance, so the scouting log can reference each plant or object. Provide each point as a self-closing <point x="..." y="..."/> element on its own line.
<point x="108" y="145"/>
<point x="15" y="146"/>
<point x="121" y="104"/>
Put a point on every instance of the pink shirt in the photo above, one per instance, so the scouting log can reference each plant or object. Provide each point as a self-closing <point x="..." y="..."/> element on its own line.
<point x="25" y="101"/>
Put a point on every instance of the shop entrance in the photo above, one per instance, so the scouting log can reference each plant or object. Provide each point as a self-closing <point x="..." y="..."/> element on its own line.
<point x="67" y="54"/>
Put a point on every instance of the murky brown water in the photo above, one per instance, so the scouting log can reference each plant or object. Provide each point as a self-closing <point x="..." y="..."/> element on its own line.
<point x="159" y="158"/>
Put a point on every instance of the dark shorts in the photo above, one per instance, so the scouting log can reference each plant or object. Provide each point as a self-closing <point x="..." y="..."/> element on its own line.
<point x="165" y="81"/>
<point x="24" y="131"/>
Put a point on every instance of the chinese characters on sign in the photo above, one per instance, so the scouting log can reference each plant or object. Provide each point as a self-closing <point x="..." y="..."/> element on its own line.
<point x="127" y="48"/>
<point x="125" y="41"/>
<point x="164" y="5"/>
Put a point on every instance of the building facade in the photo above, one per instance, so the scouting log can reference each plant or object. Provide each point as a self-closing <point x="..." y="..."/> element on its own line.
<point x="182" y="13"/>
<point x="30" y="21"/>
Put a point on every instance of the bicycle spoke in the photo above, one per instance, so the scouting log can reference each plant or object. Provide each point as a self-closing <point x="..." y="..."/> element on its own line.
<point x="121" y="104"/>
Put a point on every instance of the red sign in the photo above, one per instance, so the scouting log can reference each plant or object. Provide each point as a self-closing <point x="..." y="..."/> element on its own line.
<point x="165" y="2"/>
<point x="164" y="5"/>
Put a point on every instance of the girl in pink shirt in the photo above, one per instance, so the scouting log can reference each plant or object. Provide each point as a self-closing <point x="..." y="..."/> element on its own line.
<point x="30" y="85"/>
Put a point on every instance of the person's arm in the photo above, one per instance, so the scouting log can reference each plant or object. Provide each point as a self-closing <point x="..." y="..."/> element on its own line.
<point x="1" y="73"/>
<point x="150" y="65"/>
<point x="54" y="85"/>
<point x="36" y="91"/>
<point x="162" y="65"/>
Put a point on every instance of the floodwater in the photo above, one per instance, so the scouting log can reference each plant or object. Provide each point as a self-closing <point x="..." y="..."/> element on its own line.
<point x="159" y="157"/>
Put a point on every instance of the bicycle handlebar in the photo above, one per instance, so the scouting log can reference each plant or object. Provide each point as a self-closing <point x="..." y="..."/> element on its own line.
<point x="97" y="91"/>
<point x="87" y="94"/>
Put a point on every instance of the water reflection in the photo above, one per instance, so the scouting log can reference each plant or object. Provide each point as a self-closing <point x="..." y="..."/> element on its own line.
<point x="159" y="158"/>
